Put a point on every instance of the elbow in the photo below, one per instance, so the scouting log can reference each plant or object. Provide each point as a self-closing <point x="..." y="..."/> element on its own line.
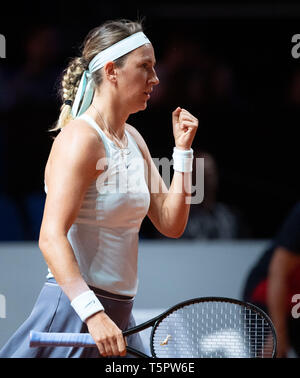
<point x="174" y="234"/>
<point x="178" y="231"/>
<point x="47" y="239"/>
<point x="178" y="235"/>
<point x="44" y="246"/>
<point x="44" y="241"/>
<point x="51" y="233"/>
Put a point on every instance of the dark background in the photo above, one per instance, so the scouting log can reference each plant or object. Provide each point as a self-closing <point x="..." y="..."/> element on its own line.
<point x="231" y="66"/>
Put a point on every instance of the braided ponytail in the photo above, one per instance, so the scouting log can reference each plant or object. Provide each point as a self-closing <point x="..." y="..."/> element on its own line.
<point x="69" y="85"/>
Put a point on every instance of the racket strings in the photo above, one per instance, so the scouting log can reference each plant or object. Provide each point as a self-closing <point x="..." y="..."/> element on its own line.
<point x="213" y="329"/>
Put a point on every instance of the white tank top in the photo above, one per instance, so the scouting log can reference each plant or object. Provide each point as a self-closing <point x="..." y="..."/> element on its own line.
<point x="104" y="236"/>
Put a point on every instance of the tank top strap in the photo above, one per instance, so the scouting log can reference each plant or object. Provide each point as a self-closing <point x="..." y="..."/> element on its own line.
<point x="102" y="135"/>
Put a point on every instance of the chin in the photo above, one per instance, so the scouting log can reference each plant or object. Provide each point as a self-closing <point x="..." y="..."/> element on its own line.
<point x="139" y="108"/>
<point x="144" y="106"/>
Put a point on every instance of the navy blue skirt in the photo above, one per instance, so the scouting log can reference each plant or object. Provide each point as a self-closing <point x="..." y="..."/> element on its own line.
<point x="53" y="312"/>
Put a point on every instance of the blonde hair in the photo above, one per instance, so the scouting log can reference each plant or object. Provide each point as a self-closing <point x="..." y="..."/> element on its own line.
<point x="97" y="40"/>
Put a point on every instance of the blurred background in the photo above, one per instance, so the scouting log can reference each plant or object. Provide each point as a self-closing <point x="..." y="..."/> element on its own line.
<point x="230" y="65"/>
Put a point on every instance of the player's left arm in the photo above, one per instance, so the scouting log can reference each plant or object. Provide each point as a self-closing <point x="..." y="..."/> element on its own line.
<point x="169" y="207"/>
<point x="283" y="264"/>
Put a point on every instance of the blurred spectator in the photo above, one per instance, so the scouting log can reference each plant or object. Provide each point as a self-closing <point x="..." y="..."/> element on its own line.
<point x="212" y="219"/>
<point x="275" y="279"/>
<point x="191" y="76"/>
<point x="28" y="109"/>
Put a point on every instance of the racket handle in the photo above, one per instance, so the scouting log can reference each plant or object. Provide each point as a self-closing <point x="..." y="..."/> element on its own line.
<point x="55" y="339"/>
<point x="38" y="339"/>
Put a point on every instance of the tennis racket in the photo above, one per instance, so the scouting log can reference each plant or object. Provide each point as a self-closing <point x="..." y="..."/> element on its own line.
<point x="210" y="327"/>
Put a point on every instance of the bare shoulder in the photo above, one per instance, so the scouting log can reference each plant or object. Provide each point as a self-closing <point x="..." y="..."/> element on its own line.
<point x="78" y="137"/>
<point x="78" y="142"/>
<point x="79" y="130"/>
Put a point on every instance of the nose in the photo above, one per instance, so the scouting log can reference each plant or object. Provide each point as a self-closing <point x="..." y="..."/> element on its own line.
<point x="154" y="80"/>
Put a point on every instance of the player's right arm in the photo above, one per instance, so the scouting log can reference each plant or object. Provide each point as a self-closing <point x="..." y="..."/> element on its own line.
<point x="70" y="170"/>
<point x="283" y="264"/>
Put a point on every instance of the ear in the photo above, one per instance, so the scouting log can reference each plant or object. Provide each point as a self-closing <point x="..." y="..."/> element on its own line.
<point x="110" y="71"/>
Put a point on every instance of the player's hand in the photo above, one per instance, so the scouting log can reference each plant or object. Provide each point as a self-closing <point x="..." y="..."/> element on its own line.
<point x="108" y="337"/>
<point x="184" y="128"/>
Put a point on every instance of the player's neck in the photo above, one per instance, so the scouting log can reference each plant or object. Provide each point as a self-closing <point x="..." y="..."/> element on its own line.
<point x="111" y="112"/>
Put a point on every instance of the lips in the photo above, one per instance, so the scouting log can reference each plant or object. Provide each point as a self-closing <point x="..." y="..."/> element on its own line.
<point x="148" y="93"/>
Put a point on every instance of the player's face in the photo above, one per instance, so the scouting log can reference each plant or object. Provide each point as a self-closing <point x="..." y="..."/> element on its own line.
<point x="137" y="78"/>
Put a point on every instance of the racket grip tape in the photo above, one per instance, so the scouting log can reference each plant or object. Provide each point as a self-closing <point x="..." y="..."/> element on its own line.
<point x="54" y="339"/>
<point x="38" y="339"/>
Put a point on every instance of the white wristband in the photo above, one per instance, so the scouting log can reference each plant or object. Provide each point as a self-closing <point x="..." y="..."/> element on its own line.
<point x="183" y="160"/>
<point x="86" y="304"/>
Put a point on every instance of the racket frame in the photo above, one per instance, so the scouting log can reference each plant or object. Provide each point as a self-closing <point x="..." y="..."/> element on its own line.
<point x="157" y="320"/>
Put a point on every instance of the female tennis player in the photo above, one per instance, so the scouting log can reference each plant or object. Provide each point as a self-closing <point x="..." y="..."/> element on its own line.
<point x="89" y="231"/>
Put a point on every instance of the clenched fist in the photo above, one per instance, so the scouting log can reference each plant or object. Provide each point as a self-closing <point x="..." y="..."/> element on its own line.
<point x="184" y="128"/>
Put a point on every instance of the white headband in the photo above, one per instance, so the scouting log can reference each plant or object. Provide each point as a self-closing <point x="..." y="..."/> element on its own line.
<point x="86" y="88"/>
